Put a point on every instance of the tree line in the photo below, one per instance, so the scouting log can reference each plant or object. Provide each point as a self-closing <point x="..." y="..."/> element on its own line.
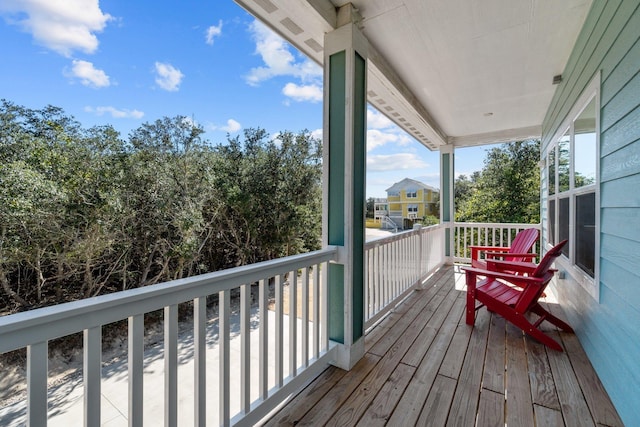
<point x="84" y="211"/>
<point x="506" y="190"/>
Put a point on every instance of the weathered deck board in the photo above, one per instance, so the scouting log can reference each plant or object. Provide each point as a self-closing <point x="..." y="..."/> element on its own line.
<point x="494" y="366"/>
<point x="543" y="388"/>
<point x="491" y="409"/>
<point x="425" y="366"/>
<point x="518" y="405"/>
<point x="411" y="403"/>
<point x="436" y="408"/>
<point x="574" y="408"/>
<point x="464" y="407"/>
<point x="385" y="402"/>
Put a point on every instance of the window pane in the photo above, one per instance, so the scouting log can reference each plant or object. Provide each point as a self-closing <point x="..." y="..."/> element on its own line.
<point x="552" y="222"/>
<point x="586" y="232"/>
<point x="563" y="223"/>
<point x="585" y="146"/>
<point x="564" y="156"/>
<point x="551" y="162"/>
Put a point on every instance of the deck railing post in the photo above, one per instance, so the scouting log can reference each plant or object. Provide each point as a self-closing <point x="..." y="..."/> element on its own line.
<point x="344" y="131"/>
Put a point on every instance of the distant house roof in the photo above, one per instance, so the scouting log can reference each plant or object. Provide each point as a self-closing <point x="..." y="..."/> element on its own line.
<point x="409" y="184"/>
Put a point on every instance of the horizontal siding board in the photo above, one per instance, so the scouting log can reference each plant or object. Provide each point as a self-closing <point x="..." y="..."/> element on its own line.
<point x="588" y="62"/>
<point x="622" y="252"/>
<point x="614" y="80"/>
<point x="616" y="221"/>
<point x="609" y="329"/>
<point x="621" y="163"/>
<point x="621" y="104"/>
<point x="623" y="133"/>
<point x="620" y="193"/>
<point x="614" y="305"/>
<point x="550" y="122"/>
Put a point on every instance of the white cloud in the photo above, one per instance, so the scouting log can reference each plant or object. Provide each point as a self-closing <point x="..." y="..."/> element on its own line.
<point x="390" y="162"/>
<point x="213" y="32"/>
<point x="317" y="134"/>
<point x="232" y="126"/>
<point x="377" y="120"/>
<point x="88" y="74"/>
<point x="277" y="57"/>
<point x="62" y="26"/>
<point x="168" y="77"/>
<point x="115" y="112"/>
<point x="376" y="138"/>
<point x="300" y="93"/>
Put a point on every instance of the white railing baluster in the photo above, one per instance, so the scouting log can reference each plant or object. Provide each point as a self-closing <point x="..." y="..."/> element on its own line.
<point x="397" y="264"/>
<point x="200" y="361"/>
<point x="304" y="354"/>
<point x="263" y="350"/>
<point x="34" y="329"/>
<point x="279" y="331"/>
<point x="324" y="287"/>
<point x="224" y="375"/>
<point x="136" y="366"/>
<point x="37" y="371"/>
<point x="316" y="310"/>
<point x="484" y="234"/>
<point x="171" y="365"/>
<point x="245" y="348"/>
<point x="293" y="323"/>
<point x="91" y="372"/>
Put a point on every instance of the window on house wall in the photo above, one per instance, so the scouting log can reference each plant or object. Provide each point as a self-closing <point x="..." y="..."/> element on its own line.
<point x="571" y="161"/>
<point x="413" y="208"/>
<point x="412" y="194"/>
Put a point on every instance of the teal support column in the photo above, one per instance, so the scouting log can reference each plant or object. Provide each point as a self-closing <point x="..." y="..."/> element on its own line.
<point x="345" y="62"/>
<point x="447" y="199"/>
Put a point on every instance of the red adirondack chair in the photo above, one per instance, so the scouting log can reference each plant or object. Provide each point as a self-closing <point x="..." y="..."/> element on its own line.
<point x="515" y="303"/>
<point x="517" y="252"/>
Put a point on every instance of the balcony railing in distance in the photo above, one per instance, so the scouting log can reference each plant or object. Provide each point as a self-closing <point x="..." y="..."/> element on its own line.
<point x="468" y="234"/>
<point x="305" y="353"/>
<point x="396" y="265"/>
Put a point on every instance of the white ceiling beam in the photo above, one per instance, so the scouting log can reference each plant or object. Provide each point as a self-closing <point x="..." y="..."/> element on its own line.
<point x="508" y="135"/>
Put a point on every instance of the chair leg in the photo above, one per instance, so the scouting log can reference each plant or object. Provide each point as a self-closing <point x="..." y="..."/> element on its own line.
<point x="521" y="322"/>
<point x="537" y="309"/>
<point x="543" y="338"/>
<point x="471" y="307"/>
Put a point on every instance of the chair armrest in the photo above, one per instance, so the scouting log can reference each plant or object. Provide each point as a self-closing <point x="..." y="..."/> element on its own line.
<point x="504" y="254"/>
<point x="475" y="250"/>
<point x="511" y="278"/>
<point x="511" y="266"/>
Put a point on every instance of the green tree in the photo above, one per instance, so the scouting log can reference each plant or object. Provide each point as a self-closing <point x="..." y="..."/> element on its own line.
<point x="507" y="189"/>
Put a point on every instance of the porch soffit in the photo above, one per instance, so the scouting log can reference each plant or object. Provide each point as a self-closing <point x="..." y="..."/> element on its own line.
<point x="448" y="71"/>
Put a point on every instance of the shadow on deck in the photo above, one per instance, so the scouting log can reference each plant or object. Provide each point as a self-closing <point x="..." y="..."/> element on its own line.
<point x="424" y="366"/>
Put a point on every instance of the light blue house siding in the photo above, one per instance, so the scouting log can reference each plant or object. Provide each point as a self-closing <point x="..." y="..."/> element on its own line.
<point x="609" y="329"/>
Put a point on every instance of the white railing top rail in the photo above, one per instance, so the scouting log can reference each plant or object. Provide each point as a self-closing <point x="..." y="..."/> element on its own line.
<point x="398" y="236"/>
<point x="496" y="225"/>
<point x="43" y="324"/>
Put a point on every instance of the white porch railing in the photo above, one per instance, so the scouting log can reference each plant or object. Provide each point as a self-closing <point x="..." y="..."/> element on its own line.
<point x="395" y="265"/>
<point x="468" y="234"/>
<point x="297" y="359"/>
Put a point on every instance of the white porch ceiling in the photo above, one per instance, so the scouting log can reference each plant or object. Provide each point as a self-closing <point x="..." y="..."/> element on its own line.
<point x="448" y="71"/>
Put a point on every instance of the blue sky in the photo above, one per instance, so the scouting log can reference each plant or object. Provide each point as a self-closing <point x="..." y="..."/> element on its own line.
<point x="129" y="62"/>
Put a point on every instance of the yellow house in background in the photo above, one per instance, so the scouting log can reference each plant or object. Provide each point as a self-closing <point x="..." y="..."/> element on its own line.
<point x="407" y="199"/>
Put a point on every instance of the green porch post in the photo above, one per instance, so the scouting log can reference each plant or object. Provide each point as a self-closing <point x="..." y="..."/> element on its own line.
<point x="345" y="71"/>
<point x="447" y="198"/>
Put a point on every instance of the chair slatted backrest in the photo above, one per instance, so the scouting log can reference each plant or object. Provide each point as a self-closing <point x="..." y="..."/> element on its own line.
<point x="532" y="292"/>
<point x="522" y="243"/>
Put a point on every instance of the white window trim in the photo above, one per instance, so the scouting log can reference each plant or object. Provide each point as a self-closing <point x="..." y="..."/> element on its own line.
<point x="567" y="265"/>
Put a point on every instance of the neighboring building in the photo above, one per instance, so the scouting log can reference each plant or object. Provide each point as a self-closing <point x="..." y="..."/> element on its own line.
<point x="380" y="209"/>
<point x="407" y="200"/>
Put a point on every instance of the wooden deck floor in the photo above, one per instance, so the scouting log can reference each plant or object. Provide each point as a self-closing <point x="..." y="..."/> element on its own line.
<point x="425" y="366"/>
